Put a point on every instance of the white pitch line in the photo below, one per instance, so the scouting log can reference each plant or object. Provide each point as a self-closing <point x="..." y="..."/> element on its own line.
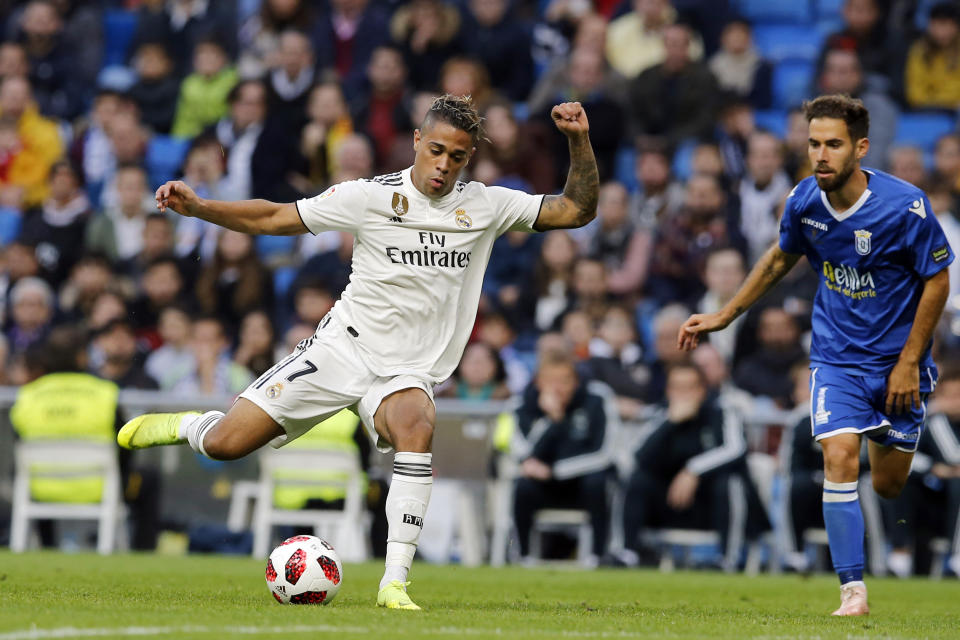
<point x="124" y="632"/>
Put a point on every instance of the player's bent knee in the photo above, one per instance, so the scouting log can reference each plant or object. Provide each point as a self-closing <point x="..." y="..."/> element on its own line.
<point x="887" y="487"/>
<point x="416" y="437"/>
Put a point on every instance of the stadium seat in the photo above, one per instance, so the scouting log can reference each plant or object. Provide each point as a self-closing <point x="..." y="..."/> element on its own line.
<point x="829" y="9"/>
<point x="792" y="81"/>
<point x="779" y="42"/>
<point x="683" y="159"/>
<point x="276" y="250"/>
<point x="283" y="278"/>
<point x="344" y="528"/>
<point x="923" y="129"/>
<point x="118" y="30"/>
<point x="625" y="168"/>
<point x="773" y="120"/>
<point x="9" y="225"/>
<point x="788" y="11"/>
<point x="563" y="520"/>
<point x="165" y="154"/>
<point x="39" y="459"/>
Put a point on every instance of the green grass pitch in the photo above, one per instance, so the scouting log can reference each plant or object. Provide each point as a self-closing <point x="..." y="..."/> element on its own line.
<point x="52" y="595"/>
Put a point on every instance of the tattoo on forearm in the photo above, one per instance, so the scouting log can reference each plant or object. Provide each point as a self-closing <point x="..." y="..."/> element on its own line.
<point x="583" y="179"/>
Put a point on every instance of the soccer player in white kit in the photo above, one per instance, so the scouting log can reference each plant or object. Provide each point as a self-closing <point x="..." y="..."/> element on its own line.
<point x="422" y="242"/>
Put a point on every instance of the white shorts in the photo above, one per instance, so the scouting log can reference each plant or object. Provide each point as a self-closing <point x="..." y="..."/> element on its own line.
<point x="322" y="376"/>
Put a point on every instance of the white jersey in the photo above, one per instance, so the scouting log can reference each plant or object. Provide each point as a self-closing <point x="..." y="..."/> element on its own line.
<point x="418" y="264"/>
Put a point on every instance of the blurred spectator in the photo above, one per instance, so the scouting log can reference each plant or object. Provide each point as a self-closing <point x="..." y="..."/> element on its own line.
<point x="116" y="357"/>
<point x="842" y="73"/>
<point x="685" y="239"/>
<point x="946" y="206"/>
<point x="796" y="141"/>
<point x="621" y="244"/>
<point x="466" y="77"/>
<point x="946" y="161"/>
<point x="929" y="505"/>
<point x="766" y="372"/>
<point x="289" y="82"/>
<point x="31" y="313"/>
<point x="214" y="372"/>
<point x="739" y="68"/>
<point x="586" y="83"/>
<point x="161" y="285"/>
<point x="173" y="360"/>
<point x="577" y="328"/>
<point x="117" y="230"/>
<point x="501" y="43"/>
<point x="512" y="260"/>
<point x="761" y="191"/>
<point x="932" y="77"/>
<point x="128" y="143"/>
<point x="495" y="331"/>
<point x="664" y="353"/>
<point x="235" y="282"/>
<point x="92" y="147"/>
<point x="659" y="192"/>
<point x="382" y="111"/>
<point x="58" y="77"/>
<point x="183" y="24"/>
<point x="328" y="123"/>
<point x="203" y="93"/>
<point x="878" y="49"/>
<point x="13" y="60"/>
<point x="590" y="293"/>
<point x="157" y="241"/>
<point x="518" y="149"/>
<point x="354" y="159"/>
<point x="312" y="300"/>
<point x="723" y="274"/>
<point x="691" y="471"/>
<point x="239" y="135"/>
<point x="907" y="164"/>
<point x="255" y="343"/>
<point x="347" y="33"/>
<point x="110" y="304"/>
<point x="563" y="441"/>
<point x="636" y="40"/>
<point x="157" y="87"/>
<point x="550" y="288"/>
<point x="616" y="359"/>
<point x="480" y="375"/>
<point x="56" y="228"/>
<point x="735" y="125"/>
<point x="203" y="170"/>
<point x="426" y="31"/>
<point x="259" y="35"/>
<point x="676" y="98"/>
<point x="39" y="140"/>
<point x="91" y="275"/>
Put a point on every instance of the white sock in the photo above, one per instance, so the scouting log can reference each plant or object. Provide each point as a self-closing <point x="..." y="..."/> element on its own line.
<point x="407" y="502"/>
<point x="194" y="428"/>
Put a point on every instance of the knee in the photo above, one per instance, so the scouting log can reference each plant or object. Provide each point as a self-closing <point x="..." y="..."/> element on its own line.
<point x="415" y="438"/>
<point x="888" y="486"/>
<point x="841" y="464"/>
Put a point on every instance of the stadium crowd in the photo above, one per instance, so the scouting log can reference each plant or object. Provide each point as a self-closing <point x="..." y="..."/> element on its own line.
<point x="698" y="136"/>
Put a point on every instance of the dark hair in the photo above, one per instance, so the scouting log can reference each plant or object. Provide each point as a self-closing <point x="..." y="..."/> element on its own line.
<point x="61" y="352"/>
<point x="945" y="11"/>
<point x="692" y="366"/>
<point x="457" y="111"/>
<point x="234" y="94"/>
<point x="840" y="107"/>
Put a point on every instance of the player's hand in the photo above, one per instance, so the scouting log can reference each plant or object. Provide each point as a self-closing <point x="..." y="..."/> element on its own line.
<point x="176" y="195"/>
<point x="903" y="388"/>
<point x="570" y="119"/>
<point x="536" y="469"/>
<point x="689" y="336"/>
<point x="682" y="490"/>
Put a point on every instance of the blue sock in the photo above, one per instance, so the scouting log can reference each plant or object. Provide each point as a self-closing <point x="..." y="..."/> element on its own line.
<point x="844" y="521"/>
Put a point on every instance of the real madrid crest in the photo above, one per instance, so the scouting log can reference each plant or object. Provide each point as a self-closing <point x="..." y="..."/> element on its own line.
<point x="400" y="204"/>
<point x="273" y="391"/>
<point x="862" y="241"/>
<point x="463" y="220"/>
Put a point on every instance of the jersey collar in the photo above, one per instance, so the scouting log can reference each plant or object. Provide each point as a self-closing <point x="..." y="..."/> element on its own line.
<point x="840" y="217"/>
<point x="438" y="203"/>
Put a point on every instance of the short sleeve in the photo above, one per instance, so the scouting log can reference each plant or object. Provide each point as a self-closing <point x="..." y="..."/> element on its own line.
<point x="516" y="210"/>
<point x="924" y="239"/>
<point x="339" y="208"/>
<point x="789" y="236"/>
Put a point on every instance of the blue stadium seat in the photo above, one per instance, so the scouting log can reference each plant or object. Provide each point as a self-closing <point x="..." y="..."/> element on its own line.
<point x="625" y="168"/>
<point x="792" y="82"/>
<point x="773" y="120"/>
<point x="828" y="9"/>
<point x="683" y="159"/>
<point x="778" y="42"/>
<point x="920" y="129"/>
<point x="283" y="278"/>
<point x="118" y="29"/>
<point x="788" y="11"/>
<point x="269" y="247"/>
<point x="9" y="225"/>
<point x="165" y="154"/>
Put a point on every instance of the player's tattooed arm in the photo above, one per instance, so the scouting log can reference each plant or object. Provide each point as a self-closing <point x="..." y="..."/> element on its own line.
<point x="578" y="204"/>
<point x="768" y="271"/>
<point x="246" y="216"/>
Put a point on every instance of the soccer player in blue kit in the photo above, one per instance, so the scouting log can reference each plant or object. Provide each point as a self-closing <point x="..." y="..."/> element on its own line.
<point x="882" y="259"/>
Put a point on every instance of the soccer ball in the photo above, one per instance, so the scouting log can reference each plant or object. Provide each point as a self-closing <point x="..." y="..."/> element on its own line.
<point x="304" y="570"/>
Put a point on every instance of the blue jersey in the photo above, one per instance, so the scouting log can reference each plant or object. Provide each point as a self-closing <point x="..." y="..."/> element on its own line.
<point x="872" y="261"/>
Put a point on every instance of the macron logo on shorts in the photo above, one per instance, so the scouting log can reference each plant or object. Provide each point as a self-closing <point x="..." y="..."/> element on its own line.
<point x="822" y="416"/>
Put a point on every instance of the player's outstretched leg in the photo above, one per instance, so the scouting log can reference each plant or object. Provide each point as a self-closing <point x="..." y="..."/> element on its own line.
<point x="406" y="420"/>
<point x="245" y="428"/>
<point x="844" y="520"/>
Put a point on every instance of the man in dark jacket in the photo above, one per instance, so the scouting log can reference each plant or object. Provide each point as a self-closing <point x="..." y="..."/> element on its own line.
<point x="691" y="471"/>
<point x="564" y="436"/>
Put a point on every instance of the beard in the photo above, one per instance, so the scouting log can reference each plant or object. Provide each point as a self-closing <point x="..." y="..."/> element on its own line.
<point x="838" y="179"/>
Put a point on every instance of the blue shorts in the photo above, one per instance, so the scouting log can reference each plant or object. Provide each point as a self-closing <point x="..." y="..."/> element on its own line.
<point x="844" y="402"/>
